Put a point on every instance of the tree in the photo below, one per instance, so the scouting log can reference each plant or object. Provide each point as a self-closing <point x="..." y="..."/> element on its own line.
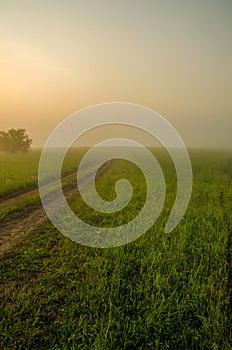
<point x="14" y="140"/>
<point x="4" y="141"/>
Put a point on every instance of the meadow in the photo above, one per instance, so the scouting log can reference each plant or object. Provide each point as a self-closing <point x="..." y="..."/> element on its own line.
<point x="18" y="172"/>
<point x="162" y="291"/>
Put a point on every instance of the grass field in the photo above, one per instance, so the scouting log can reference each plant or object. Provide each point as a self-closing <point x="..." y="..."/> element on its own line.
<point x="163" y="291"/>
<point x="18" y="172"/>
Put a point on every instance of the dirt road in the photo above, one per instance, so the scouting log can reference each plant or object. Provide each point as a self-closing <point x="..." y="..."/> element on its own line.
<point x="13" y="230"/>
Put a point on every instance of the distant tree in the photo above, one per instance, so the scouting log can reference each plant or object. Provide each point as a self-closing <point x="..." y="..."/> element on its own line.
<point x="14" y="140"/>
<point x="4" y="141"/>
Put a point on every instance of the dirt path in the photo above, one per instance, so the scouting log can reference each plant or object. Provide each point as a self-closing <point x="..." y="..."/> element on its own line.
<point x="4" y="203"/>
<point x="12" y="231"/>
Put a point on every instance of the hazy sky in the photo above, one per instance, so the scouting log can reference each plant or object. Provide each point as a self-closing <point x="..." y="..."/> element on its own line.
<point x="174" y="56"/>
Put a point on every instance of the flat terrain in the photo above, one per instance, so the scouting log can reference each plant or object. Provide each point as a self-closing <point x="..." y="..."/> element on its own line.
<point x="23" y="213"/>
<point x="163" y="291"/>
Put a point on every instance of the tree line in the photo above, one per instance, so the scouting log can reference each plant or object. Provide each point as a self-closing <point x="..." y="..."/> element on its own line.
<point x="14" y="140"/>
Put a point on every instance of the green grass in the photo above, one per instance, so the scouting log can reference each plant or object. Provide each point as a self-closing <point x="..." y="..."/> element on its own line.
<point x="163" y="291"/>
<point x="18" y="172"/>
<point x="22" y="205"/>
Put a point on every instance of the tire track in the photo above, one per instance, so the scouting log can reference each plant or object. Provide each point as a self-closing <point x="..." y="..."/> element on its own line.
<point x="13" y="231"/>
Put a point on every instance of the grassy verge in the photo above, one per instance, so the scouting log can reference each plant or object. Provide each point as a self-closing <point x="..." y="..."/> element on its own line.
<point x="19" y="172"/>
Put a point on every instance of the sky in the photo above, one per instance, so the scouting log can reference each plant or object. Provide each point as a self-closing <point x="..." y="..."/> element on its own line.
<point x="173" y="56"/>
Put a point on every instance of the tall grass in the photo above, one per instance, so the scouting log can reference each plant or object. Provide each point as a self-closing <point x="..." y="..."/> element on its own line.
<point x="163" y="291"/>
<point x="19" y="172"/>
